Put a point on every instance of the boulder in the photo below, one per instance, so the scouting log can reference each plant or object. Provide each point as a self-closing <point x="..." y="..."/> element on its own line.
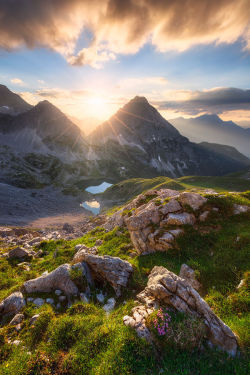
<point x="12" y="304"/>
<point x="18" y="252"/>
<point x="170" y="289"/>
<point x="18" y="318"/>
<point x="171" y="206"/>
<point x="57" y="279"/>
<point x="188" y="274"/>
<point x="193" y="200"/>
<point x="111" y="269"/>
<point x="204" y="216"/>
<point x="68" y="228"/>
<point x="239" y="209"/>
<point x="109" y="306"/>
<point x="180" y="219"/>
<point x="38" y="302"/>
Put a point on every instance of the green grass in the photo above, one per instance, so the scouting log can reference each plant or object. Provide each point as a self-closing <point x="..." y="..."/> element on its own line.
<point x="84" y="340"/>
<point x="119" y="194"/>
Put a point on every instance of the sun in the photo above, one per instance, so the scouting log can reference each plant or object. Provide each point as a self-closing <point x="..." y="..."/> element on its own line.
<point x="97" y="106"/>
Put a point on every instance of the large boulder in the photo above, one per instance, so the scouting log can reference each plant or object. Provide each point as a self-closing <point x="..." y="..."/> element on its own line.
<point x="170" y="289"/>
<point x="12" y="304"/>
<point x="180" y="219"/>
<point x="111" y="269"/>
<point x="57" y="279"/>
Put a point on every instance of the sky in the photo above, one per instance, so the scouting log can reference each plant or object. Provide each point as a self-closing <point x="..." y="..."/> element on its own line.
<point x="187" y="57"/>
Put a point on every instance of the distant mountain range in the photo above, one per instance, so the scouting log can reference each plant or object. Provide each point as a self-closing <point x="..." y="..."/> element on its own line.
<point x="41" y="146"/>
<point x="211" y="128"/>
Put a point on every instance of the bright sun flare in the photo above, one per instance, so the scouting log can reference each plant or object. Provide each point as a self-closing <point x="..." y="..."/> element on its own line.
<point x="97" y="106"/>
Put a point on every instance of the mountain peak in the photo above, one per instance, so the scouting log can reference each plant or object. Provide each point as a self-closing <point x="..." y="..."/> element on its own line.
<point x="139" y="99"/>
<point x="11" y="102"/>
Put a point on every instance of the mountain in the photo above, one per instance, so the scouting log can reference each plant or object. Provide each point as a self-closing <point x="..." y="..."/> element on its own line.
<point x="43" y="128"/>
<point x="41" y="147"/>
<point x="12" y="103"/>
<point x="138" y="142"/>
<point x="227" y="151"/>
<point x="211" y="128"/>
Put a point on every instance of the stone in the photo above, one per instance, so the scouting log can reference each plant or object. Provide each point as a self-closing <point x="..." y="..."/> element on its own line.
<point x="25" y="266"/>
<point x="12" y="304"/>
<point x="188" y="274"/>
<point x="171" y="206"/>
<point x="68" y="228"/>
<point x="50" y="301"/>
<point x="34" y="319"/>
<point x="204" y="216"/>
<point x="18" y="318"/>
<point x="109" y="306"/>
<point x="57" y="279"/>
<point x="168" y="288"/>
<point x="35" y="241"/>
<point x="144" y="217"/>
<point x="62" y="298"/>
<point x="100" y="297"/>
<point x="84" y="298"/>
<point x="58" y="292"/>
<point x="180" y="219"/>
<point x="38" y="302"/>
<point x="30" y="299"/>
<point x="193" y="200"/>
<point x="18" y="252"/>
<point x="98" y="242"/>
<point x="176" y="232"/>
<point x="111" y="269"/>
<point x="138" y="322"/>
<point x="239" y="209"/>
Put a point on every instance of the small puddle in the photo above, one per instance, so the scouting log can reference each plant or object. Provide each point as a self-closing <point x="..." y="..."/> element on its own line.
<point x="92" y="206"/>
<point x="98" y="188"/>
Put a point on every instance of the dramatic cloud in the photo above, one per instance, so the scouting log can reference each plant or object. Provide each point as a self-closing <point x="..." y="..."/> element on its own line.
<point x="217" y="100"/>
<point x="17" y="81"/>
<point x="120" y="27"/>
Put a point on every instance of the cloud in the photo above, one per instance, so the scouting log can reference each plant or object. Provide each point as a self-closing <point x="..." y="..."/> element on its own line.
<point x="17" y="81"/>
<point x="121" y="27"/>
<point x="216" y="100"/>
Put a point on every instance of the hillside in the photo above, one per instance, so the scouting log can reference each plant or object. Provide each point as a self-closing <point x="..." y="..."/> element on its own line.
<point x="120" y="193"/>
<point x="80" y="316"/>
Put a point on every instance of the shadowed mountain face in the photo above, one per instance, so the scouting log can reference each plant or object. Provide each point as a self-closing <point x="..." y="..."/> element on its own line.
<point x="12" y="103"/>
<point x="138" y="141"/>
<point x="211" y="128"/>
<point x="44" y="128"/>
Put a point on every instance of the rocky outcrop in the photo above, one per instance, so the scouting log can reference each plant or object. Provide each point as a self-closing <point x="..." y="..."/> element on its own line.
<point x="106" y="268"/>
<point x="150" y="218"/>
<point x="168" y="288"/>
<point x="57" y="279"/>
<point x="12" y="304"/>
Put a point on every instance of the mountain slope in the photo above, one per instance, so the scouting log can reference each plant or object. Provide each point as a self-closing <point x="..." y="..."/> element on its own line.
<point x="211" y="128"/>
<point x="227" y="151"/>
<point x="12" y="103"/>
<point x="137" y="134"/>
<point x="44" y="128"/>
